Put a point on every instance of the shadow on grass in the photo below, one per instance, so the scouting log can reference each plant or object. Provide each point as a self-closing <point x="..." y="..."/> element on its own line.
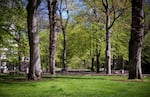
<point x="19" y="79"/>
<point x="75" y="77"/>
<point x="8" y="79"/>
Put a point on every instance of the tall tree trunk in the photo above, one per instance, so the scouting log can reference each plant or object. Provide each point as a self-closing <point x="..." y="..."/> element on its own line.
<point x="35" y="66"/>
<point x="64" y="51"/>
<point x="136" y="40"/>
<point x="109" y="9"/>
<point x="63" y="7"/>
<point x="108" y="43"/>
<point x="52" y="7"/>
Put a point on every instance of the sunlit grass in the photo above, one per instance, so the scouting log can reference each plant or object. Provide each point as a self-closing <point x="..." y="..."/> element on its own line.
<point x="74" y="86"/>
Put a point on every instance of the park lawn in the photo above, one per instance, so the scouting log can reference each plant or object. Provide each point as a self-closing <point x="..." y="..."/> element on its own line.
<point x="74" y="86"/>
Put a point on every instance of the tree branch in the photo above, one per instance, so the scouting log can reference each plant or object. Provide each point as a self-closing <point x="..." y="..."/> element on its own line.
<point x="115" y="18"/>
<point x="105" y="4"/>
<point x="66" y="23"/>
<point x="119" y="14"/>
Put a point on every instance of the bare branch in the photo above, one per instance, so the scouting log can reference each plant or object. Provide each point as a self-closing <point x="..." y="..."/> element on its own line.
<point x="61" y="10"/>
<point x="105" y="4"/>
<point x="67" y="11"/>
<point x="115" y="18"/>
<point x="119" y="12"/>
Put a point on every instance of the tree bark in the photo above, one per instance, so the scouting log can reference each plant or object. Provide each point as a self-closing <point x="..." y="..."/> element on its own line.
<point x="63" y="7"/>
<point x="136" y="40"/>
<point x="108" y="35"/>
<point x="52" y="7"/>
<point x="109" y="9"/>
<point x="64" y="51"/>
<point x="108" y="43"/>
<point x="35" y="66"/>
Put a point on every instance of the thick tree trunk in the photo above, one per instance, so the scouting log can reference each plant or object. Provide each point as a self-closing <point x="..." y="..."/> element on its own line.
<point x="108" y="43"/>
<point x="52" y="7"/>
<point x="64" y="51"/>
<point x="136" y="40"/>
<point x="35" y="66"/>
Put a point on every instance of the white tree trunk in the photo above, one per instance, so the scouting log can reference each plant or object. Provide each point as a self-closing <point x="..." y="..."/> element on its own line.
<point x="108" y="43"/>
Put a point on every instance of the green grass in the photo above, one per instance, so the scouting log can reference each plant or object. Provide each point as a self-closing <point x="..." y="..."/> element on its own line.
<point x="74" y="86"/>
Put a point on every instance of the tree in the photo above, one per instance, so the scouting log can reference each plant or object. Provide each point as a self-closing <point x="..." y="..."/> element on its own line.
<point x="34" y="66"/>
<point x="12" y="30"/>
<point x="97" y="50"/>
<point x="111" y="9"/>
<point x="63" y="9"/>
<point x="136" y="39"/>
<point x="78" y="45"/>
<point x="52" y="7"/>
